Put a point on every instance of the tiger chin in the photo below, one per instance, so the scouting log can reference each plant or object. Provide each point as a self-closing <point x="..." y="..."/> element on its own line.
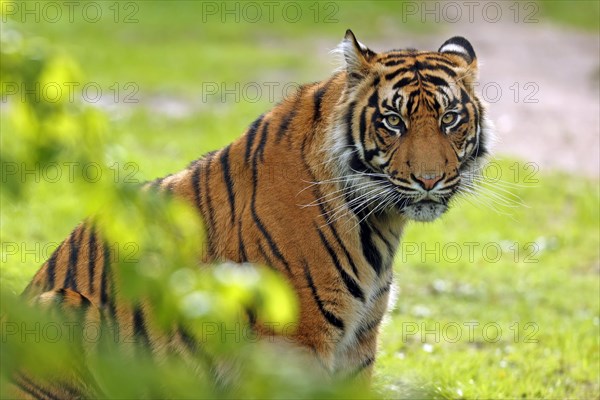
<point x="390" y="137"/>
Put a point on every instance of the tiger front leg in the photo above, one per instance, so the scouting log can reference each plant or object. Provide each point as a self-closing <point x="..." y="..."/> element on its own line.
<point x="356" y="362"/>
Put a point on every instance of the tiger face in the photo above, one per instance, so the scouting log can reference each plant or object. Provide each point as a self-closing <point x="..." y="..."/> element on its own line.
<point x="415" y="131"/>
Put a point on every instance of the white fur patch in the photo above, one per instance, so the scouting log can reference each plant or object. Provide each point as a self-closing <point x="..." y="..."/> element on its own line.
<point x="453" y="47"/>
<point x="347" y="56"/>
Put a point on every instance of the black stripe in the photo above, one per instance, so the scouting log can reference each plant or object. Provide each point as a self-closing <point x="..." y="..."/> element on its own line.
<point x="62" y="292"/>
<point x="104" y="297"/>
<point x="381" y="291"/>
<point x="436" y="104"/>
<point x="464" y="97"/>
<point x="407" y="80"/>
<point x="251" y="314"/>
<point x="45" y="391"/>
<point x="273" y="246"/>
<point x="265" y="256"/>
<point x="51" y="269"/>
<point x="350" y="283"/>
<point x="325" y="212"/>
<point x="345" y="250"/>
<point x="374" y="98"/>
<point x="261" y="144"/>
<point x="250" y="135"/>
<point x="330" y="317"/>
<point x="434" y="80"/>
<point x="196" y="187"/>
<point x="479" y="116"/>
<point x="396" y="54"/>
<point x="287" y="119"/>
<point x="355" y="76"/>
<point x="139" y="325"/>
<point x="209" y="207"/>
<point x="39" y="389"/>
<point x="370" y="154"/>
<point x="387" y="243"/>
<point x="440" y="59"/>
<point x="91" y="259"/>
<point x="411" y="101"/>
<point x="265" y="232"/>
<point x="369" y="249"/>
<point x="366" y="328"/>
<point x="75" y="393"/>
<point x="70" y="281"/>
<point x="228" y="182"/>
<point x="381" y="141"/>
<point x="392" y="75"/>
<point x="29" y="390"/>
<point x="446" y="69"/>
<point x="396" y="61"/>
<point x="387" y="162"/>
<point x="357" y="164"/>
<point x="337" y="238"/>
<point x="198" y="200"/>
<point x="317" y="98"/>
<point x="432" y="67"/>
<point x="192" y="345"/>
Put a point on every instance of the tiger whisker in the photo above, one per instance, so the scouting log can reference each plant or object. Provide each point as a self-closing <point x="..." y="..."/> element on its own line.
<point x="349" y="204"/>
<point x="516" y="201"/>
<point x="362" y="204"/>
<point x="323" y="199"/>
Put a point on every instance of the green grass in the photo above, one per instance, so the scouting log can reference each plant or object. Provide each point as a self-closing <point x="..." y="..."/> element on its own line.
<point x="551" y="282"/>
<point x="582" y="14"/>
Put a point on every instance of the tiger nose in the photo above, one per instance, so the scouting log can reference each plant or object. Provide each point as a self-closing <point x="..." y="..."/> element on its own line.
<point x="428" y="181"/>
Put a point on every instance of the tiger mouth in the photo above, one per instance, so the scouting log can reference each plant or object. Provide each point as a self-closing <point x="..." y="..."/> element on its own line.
<point x="424" y="210"/>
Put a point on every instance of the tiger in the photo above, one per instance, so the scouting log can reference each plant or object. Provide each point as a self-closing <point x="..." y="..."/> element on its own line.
<point x="388" y="138"/>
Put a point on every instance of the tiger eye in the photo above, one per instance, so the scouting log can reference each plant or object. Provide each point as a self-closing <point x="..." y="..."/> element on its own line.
<point x="393" y="120"/>
<point x="449" y="118"/>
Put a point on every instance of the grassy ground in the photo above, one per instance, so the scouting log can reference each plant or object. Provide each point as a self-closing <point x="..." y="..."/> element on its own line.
<point x="524" y="278"/>
<point x="530" y="297"/>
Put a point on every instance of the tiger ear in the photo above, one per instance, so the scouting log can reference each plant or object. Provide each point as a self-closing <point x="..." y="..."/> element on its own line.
<point x="357" y="57"/>
<point x="460" y="47"/>
<point x="463" y="56"/>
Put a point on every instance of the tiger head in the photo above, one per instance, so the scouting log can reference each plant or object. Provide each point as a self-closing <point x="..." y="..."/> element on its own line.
<point x="410" y="130"/>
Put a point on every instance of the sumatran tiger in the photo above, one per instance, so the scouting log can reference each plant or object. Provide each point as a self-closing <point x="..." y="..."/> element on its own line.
<point x="389" y="138"/>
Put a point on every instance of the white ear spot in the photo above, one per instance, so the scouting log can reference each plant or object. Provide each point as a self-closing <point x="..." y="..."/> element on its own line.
<point x="460" y="46"/>
<point x="454" y="48"/>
